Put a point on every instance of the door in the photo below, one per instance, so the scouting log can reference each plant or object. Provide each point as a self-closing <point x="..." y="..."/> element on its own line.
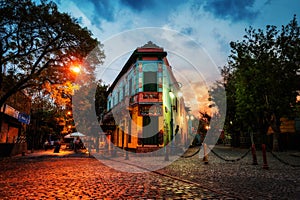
<point x="150" y="130"/>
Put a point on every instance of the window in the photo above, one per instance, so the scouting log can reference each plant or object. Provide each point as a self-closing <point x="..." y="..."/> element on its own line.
<point x="118" y="97"/>
<point x="150" y="81"/>
<point x="124" y="92"/>
<point x="130" y="87"/>
<point x="109" y="105"/>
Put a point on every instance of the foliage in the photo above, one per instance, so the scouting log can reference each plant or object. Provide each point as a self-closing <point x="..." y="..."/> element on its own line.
<point x="266" y="65"/>
<point x="38" y="45"/>
<point x="84" y="109"/>
<point x="100" y="99"/>
<point x="261" y="79"/>
<point x="45" y="117"/>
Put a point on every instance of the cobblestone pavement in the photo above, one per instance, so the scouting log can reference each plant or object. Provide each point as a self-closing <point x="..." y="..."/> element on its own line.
<point x="241" y="178"/>
<point x="77" y="176"/>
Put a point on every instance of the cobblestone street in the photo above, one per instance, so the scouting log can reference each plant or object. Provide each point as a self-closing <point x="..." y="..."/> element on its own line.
<point x="66" y="175"/>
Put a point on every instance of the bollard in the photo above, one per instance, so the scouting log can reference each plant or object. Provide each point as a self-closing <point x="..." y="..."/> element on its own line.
<point x="166" y="153"/>
<point x="56" y="149"/>
<point x="254" y="158"/>
<point x="114" y="152"/>
<point x="126" y="154"/>
<point x="265" y="165"/>
<point x="205" y="157"/>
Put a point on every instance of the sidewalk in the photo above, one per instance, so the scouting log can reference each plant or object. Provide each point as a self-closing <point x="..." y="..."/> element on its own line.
<point x="226" y="150"/>
<point x="50" y="153"/>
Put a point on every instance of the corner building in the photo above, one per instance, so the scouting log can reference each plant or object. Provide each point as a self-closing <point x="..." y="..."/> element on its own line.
<point x="145" y="107"/>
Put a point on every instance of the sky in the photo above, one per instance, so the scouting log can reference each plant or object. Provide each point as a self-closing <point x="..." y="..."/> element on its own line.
<point x="195" y="33"/>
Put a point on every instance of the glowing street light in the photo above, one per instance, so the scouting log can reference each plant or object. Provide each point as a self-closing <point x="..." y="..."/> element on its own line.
<point x="76" y="69"/>
<point x="171" y="95"/>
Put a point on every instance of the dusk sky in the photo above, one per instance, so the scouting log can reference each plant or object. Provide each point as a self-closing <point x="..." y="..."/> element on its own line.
<point x="195" y="33"/>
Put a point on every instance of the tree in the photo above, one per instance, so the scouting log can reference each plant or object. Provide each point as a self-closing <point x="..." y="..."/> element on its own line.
<point x="38" y="45"/>
<point x="45" y="117"/>
<point x="100" y="99"/>
<point x="265" y="67"/>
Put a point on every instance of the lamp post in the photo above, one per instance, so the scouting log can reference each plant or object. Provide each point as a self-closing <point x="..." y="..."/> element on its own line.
<point x="190" y="119"/>
<point x="172" y="96"/>
<point x="75" y="70"/>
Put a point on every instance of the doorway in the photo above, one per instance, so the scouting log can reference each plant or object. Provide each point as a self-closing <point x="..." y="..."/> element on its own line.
<point x="150" y="130"/>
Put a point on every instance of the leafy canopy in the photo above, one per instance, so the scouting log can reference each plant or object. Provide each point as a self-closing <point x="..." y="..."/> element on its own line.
<point x="265" y="66"/>
<point x="38" y="45"/>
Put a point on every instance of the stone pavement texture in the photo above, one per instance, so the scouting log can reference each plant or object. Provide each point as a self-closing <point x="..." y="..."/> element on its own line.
<point x="66" y="175"/>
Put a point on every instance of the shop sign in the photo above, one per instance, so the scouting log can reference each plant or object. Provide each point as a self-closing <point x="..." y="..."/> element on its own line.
<point x="150" y="110"/>
<point x="11" y="111"/>
<point x="24" y="118"/>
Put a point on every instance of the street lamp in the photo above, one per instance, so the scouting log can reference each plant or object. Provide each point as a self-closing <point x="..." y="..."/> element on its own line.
<point x="75" y="69"/>
<point x="171" y="95"/>
<point x="176" y="86"/>
<point x="190" y="119"/>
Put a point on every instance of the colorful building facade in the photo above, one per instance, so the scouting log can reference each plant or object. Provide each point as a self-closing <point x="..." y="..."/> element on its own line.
<point x="144" y="103"/>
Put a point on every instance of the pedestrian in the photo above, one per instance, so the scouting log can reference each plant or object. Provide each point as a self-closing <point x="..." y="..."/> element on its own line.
<point x="176" y="137"/>
<point x="160" y="137"/>
<point x="77" y="143"/>
<point x="176" y="130"/>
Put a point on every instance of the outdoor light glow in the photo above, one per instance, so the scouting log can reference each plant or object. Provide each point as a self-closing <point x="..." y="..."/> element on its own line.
<point x="75" y="69"/>
<point x="171" y="95"/>
<point x="191" y="117"/>
<point x="180" y="94"/>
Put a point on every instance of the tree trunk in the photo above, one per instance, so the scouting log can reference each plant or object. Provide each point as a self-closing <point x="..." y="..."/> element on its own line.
<point x="275" y="125"/>
<point x="253" y="149"/>
<point x="275" y="142"/>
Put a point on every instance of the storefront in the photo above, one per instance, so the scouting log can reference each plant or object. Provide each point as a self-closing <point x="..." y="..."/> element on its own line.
<point x="14" y="118"/>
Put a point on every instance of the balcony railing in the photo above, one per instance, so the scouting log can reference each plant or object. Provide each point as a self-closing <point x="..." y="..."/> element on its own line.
<point x="146" y="97"/>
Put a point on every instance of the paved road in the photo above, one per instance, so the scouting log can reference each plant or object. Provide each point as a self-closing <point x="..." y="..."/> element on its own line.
<point x="77" y="176"/>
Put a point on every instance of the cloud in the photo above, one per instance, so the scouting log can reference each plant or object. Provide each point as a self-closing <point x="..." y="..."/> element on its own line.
<point x="98" y="10"/>
<point x="234" y="10"/>
<point x="212" y="24"/>
<point x="211" y="33"/>
<point x="138" y="5"/>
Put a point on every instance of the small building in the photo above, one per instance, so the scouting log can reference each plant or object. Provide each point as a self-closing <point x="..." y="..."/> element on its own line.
<point x="144" y="103"/>
<point x="14" y="116"/>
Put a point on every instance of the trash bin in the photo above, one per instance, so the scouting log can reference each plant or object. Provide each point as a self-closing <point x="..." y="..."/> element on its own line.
<point x="56" y="149"/>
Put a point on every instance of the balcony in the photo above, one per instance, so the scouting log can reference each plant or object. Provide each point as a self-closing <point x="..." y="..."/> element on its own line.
<point x="146" y="98"/>
<point x="149" y="97"/>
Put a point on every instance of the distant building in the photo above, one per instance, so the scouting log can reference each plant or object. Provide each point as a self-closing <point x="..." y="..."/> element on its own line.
<point x="145" y="104"/>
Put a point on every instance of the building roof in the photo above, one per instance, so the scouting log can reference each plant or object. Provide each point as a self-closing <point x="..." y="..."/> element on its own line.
<point x="150" y="44"/>
<point x="150" y="50"/>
